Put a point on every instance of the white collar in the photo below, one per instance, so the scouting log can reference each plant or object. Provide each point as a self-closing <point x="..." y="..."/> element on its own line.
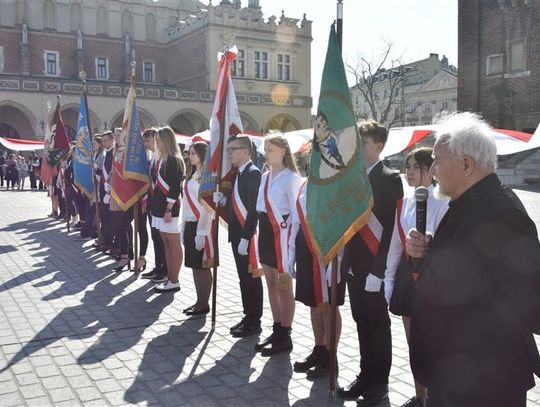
<point x="373" y="166"/>
<point x="243" y="167"/>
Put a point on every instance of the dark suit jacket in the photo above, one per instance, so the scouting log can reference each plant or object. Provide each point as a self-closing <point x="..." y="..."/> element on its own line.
<point x="387" y="188"/>
<point x="248" y="189"/>
<point x="478" y="295"/>
<point x="173" y="174"/>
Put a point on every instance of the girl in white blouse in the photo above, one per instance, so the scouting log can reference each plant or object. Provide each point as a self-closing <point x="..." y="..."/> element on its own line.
<point x="196" y="226"/>
<point x="275" y="204"/>
<point x="400" y="278"/>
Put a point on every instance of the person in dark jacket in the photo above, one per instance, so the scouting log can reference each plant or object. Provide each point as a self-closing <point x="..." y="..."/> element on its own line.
<point x="166" y="205"/>
<point x="477" y="299"/>
<point x="241" y="233"/>
<point x="364" y="264"/>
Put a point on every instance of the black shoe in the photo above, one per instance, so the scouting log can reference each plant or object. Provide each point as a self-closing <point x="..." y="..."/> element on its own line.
<point x="268" y="340"/>
<point x="321" y="368"/>
<point x="373" y="396"/>
<point x="122" y="267"/>
<point x="185" y="310"/>
<point x="149" y="275"/>
<point x="284" y="345"/>
<point x="78" y="226"/>
<point x="246" y="330"/>
<point x="309" y="362"/>
<point x="238" y="325"/>
<point x="194" y="311"/>
<point x="353" y="390"/>
<point x="414" y="402"/>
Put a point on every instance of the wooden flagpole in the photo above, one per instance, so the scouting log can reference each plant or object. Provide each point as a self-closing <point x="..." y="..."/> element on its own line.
<point x="333" y="289"/>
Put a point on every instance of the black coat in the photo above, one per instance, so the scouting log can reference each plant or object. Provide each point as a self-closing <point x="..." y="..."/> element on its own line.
<point x="248" y="189"/>
<point x="478" y="296"/>
<point x="387" y="189"/>
<point x="107" y="163"/>
<point x="172" y="172"/>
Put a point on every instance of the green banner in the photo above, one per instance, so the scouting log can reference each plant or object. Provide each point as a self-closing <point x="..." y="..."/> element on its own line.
<point x="339" y="196"/>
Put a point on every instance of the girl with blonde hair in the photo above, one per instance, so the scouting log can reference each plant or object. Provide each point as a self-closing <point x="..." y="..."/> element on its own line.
<point x="166" y="205"/>
<point x="275" y="204"/>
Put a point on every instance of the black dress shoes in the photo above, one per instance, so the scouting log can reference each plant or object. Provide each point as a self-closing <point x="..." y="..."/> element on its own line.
<point x="246" y="330"/>
<point x="311" y="361"/>
<point x="194" y="311"/>
<point x="237" y="326"/>
<point x="353" y="390"/>
<point x="373" y="396"/>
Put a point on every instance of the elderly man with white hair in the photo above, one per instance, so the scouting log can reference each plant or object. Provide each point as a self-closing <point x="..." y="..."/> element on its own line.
<point x="478" y="293"/>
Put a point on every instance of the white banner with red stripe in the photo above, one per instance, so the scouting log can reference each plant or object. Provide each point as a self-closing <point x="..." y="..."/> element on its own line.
<point x="280" y="227"/>
<point x="371" y="234"/>
<point x="507" y="141"/>
<point x="320" y="287"/>
<point x="240" y="211"/>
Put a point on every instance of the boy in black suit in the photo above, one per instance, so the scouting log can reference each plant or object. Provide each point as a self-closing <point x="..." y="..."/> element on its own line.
<point x="248" y="180"/>
<point x="364" y="264"/>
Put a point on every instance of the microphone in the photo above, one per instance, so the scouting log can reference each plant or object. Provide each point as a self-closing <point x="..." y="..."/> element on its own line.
<point x="421" y="195"/>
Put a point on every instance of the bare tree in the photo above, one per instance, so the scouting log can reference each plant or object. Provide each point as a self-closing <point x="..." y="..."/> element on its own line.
<point x="381" y="88"/>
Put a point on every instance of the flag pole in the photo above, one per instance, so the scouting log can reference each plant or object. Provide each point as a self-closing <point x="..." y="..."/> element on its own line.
<point x="66" y="206"/>
<point x="133" y="65"/>
<point x="82" y="75"/>
<point x="332" y="341"/>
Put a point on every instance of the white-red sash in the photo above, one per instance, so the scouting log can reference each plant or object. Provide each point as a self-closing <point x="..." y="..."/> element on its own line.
<point x="320" y="287"/>
<point x="162" y="184"/>
<point x="371" y="233"/>
<point x="208" y="254"/>
<point x="280" y="227"/>
<point x="241" y="214"/>
<point x="154" y="171"/>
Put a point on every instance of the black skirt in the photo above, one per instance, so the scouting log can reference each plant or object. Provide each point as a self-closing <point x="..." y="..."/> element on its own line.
<point x="267" y="246"/>
<point x="193" y="258"/>
<point x="404" y="288"/>
<point x="305" y="288"/>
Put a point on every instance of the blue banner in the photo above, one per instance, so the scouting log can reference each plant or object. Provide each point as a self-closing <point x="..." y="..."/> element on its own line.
<point x="82" y="153"/>
<point x="135" y="159"/>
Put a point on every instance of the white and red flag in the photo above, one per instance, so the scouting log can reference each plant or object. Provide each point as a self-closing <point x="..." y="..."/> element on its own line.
<point x="224" y="123"/>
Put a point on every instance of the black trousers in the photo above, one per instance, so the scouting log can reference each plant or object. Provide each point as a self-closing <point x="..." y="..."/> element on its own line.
<point x="124" y="231"/>
<point x="370" y="313"/>
<point x="159" y="249"/>
<point x="107" y="230"/>
<point x="250" y="288"/>
<point x="496" y="396"/>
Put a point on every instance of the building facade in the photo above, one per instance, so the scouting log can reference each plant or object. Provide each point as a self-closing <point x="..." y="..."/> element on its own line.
<point x="45" y="44"/>
<point x="414" y="93"/>
<point x="499" y="61"/>
<point x="499" y="73"/>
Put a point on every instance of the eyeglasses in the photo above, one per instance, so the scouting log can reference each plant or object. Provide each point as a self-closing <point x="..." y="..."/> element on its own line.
<point x="231" y="149"/>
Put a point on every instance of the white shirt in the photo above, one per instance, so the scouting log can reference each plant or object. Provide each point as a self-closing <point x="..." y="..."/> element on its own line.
<point x="436" y="209"/>
<point x="205" y="220"/>
<point x="372" y="166"/>
<point x="243" y="167"/>
<point x="283" y="191"/>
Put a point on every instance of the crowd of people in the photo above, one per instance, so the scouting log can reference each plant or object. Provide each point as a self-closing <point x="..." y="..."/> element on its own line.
<point x="15" y="168"/>
<point x="466" y="289"/>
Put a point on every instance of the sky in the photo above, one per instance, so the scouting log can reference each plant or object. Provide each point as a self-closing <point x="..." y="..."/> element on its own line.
<point x="415" y="27"/>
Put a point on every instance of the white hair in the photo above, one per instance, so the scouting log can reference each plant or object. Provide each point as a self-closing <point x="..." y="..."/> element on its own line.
<point x="466" y="133"/>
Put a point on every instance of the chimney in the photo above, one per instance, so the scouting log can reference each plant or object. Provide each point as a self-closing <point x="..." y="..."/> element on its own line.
<point x="253" y="4"/>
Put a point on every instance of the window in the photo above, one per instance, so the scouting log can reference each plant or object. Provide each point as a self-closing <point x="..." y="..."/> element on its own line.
<point x="101" y="20"/>
<point x="49" y="14"/>
<point x="494" y="64"/>
<point x="52" y="63"/>
<point x="427" y="108"/>
<point x="238" y="65"/>
<point x="150" y="27"/>
<point x="260" y="64"/>
<point x="126" y="22"/>
<point x="283" y="67"/>
<point x="516" y="60"/>
<point x="445" y="105"/>
<point x="75" y="17"/>
<point x="102" y="68"/>
<point x="149" y="69"/>
<point x="1" y="59"/>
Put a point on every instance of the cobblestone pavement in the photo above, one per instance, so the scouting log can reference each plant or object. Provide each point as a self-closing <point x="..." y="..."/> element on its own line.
<point x="72" y="332"/>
